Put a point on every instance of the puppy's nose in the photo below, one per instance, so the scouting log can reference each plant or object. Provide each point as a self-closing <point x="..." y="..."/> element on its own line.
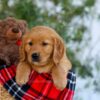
<point x="35" y="57"/>
<point x="15" y="30"/>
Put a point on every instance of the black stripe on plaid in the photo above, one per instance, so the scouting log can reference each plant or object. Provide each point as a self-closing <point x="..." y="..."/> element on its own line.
<point x="15" y="90"/>
<point x="40" y="94"/>
<point x="46" y="76"/>
<point x="71" y="78"/>
<point x="3" y="66"/>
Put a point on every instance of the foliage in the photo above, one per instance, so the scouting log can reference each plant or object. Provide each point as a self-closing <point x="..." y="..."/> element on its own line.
<point x="59" y="20"/>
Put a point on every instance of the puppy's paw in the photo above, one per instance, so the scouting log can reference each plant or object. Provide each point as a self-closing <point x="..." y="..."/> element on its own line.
<point x="22" y="80"/>
<point x="22" y="73"/>
<point x="60" y="85"/>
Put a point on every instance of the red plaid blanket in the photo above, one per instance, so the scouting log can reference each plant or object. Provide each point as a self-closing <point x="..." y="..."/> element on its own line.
<point x="40" y="86"/>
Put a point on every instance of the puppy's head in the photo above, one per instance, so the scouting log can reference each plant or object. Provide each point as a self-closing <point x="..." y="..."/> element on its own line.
<point x="42" y="46"/>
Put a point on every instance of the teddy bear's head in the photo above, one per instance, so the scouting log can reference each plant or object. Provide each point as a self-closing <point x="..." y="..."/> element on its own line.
<point x="12" y="29"/>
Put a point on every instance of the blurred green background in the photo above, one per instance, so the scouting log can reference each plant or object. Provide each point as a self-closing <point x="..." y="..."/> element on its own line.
<point x="73" y="20"/>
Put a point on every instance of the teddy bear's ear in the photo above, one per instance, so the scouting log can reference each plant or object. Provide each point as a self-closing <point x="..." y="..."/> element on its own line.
<point x="2" y="28"/>
<point x="1" y="25"/>
<point x="23" y="26"/>
<point x="9" y="21"/>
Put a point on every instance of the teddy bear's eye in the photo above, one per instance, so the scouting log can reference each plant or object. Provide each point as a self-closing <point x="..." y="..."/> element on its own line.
<point x="30" y="43"/>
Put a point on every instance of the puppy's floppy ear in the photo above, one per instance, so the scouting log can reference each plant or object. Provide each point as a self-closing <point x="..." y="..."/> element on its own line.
<point x="23" y="26"/>
<point x="23" y="69"/>
<point x="58" y="51"/>
<point x="61" y="65"/>
<point x="22" y="53"/>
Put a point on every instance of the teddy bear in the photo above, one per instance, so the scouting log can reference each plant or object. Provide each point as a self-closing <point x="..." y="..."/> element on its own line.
<point x="11" y="31"/>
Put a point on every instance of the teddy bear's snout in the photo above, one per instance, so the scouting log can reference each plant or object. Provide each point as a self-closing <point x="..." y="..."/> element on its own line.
<point x="15" y="30"/>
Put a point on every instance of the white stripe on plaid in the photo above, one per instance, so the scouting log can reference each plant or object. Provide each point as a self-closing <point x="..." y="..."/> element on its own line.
<point x="72" y="82"/>
<point x="11" y="87"/>
<point x="8" y="85"/>
<point x="18" y="86"/>
<point x="67" y="92"/>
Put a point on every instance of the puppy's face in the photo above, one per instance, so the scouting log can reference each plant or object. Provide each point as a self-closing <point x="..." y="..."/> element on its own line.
<point x="39" y="48"/>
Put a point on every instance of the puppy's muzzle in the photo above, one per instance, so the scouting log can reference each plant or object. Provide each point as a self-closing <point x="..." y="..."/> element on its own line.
<point x="36" y="57"/>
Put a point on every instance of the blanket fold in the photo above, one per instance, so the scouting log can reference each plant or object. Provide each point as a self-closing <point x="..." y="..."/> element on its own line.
<point x="39" y="87"/>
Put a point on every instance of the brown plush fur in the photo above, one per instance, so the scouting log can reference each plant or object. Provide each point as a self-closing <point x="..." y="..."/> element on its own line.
<point x="51" y="58"/>
<point x="11" y="30"/>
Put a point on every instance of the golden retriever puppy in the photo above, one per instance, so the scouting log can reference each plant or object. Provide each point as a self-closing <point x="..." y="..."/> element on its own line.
<point x="43" y="50"/>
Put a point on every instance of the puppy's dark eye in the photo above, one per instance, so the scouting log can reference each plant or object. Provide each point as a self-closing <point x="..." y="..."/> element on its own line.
<point x="30" y="43"/>
<point x="44" y="43"/>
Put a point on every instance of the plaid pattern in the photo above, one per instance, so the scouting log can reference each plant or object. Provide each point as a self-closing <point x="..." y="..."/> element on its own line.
<point x="40" y="86"/>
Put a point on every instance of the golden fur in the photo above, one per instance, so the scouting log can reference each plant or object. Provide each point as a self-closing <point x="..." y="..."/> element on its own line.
<point x="52" y="56"/>
<point x="4" y="95"/>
